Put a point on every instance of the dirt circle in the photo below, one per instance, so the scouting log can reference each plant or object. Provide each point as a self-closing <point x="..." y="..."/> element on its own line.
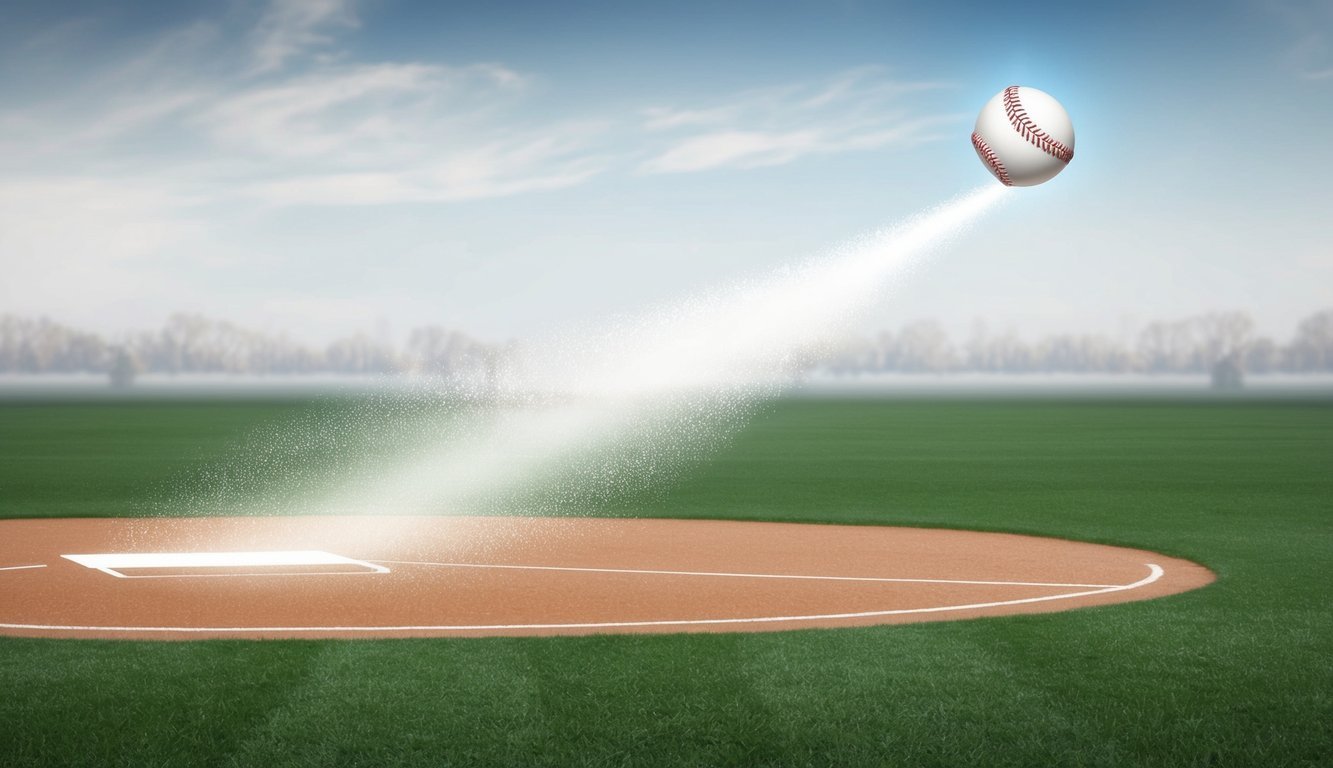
<point x="358" y="577"/>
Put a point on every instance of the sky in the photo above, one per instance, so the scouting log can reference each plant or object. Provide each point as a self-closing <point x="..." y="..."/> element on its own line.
<point x="322" y="167"/>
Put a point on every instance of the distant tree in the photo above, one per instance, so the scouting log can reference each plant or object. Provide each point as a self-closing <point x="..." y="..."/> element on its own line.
<point x="1224" y="336"/>
<point x="1263" y="355"/>
<point x="924" y="346"/>
<point x="123" y="368"/>
<point x="1005" y="353"/>
<point x="1166" y="347"/>
<point x="360" y="354"/>
<point x="1227" y="373"/>
<point x="881" y="349"/>
<point x="1312" y="349"/>
<point x="1071" y="354"/>
<point x="1211" y="344"/>
<point x="1010" y="354"/>
<point x="451" y="355"/>
<point x="182" y="343"/>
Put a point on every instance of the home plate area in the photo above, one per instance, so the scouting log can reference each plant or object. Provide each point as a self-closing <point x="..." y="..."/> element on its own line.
<point x="286" y="577"/>
<point x="166" y="565"/>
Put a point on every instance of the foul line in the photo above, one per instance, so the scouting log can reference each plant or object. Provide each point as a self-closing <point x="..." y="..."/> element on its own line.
<point x="743" y="575"/>
<point x="1155" y="573"/>
<point x="20" y="567"/>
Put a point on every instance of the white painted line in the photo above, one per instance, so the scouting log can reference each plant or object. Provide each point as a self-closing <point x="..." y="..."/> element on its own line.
<point x="1155" y="573"/>
<point x="234" y="575"/>
<point x="20" y="567"/>
<point x="746" y="575"/>
<point x="112" y="563"/>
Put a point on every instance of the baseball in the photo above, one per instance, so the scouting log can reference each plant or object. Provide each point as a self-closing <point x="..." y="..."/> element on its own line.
<point x="1023" y="136"/>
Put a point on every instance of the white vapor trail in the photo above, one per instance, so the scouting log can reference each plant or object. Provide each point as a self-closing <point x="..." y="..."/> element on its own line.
<point x="611" y="410"/>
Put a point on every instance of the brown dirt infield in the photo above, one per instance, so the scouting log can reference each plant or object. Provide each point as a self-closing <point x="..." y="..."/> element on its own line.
<point x="358" y="577"/>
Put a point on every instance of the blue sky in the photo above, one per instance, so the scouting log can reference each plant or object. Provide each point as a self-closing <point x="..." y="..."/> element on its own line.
<point x="324" y="166"/>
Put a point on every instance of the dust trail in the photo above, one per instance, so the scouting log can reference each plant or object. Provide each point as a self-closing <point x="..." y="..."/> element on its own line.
<point x="591" y="415"/>
<point x="582" y="420"/>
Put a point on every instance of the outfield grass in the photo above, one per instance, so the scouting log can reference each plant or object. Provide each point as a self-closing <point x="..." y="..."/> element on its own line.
<point x="1238" y="673"/>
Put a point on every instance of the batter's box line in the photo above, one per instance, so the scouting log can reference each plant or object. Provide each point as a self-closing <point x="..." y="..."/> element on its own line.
<point x="723" y="574"/>
<point x="20" y="567"/>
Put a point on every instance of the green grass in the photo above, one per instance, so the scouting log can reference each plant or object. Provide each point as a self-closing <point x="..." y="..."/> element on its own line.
<point x="1238" y="673"/>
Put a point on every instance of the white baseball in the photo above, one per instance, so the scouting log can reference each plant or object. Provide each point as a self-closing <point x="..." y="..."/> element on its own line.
<point x="1023" y="136"/>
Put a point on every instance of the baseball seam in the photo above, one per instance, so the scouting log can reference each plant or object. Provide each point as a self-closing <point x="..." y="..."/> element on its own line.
<point x="991" y="160"/>
<point x="1018" y="118"/>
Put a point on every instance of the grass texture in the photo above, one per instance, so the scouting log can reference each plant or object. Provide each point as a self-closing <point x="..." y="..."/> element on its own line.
<point x="1237" y="674"/>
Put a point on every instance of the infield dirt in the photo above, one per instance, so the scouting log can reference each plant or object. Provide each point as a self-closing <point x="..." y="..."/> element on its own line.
<point x="478" y="576"/>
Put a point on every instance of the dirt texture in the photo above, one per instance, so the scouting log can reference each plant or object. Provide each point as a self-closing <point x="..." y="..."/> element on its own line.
<point x="486" y="576"/>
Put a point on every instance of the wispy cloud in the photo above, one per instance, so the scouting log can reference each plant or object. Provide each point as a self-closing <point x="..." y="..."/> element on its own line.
<point x="391" y="133"/>
<point x="359" y="109"/>
<point x="495" y="170"/>
<point x="163" y="168"/>
<point x="184" y="110"/>
<point x="292" y="28"/>
<point x="856" y="110"/>
<point x="745" y="149"/>
<point x="126" y="179"/>
<point x="325" y="129"/>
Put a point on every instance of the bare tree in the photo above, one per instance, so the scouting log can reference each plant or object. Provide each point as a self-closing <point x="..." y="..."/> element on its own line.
<point x="1166" y="347"/>
<point x="1263" y="355"/>
<point x="1223" y="336"/>
<point x="1312" y="349"/>
<point x="194" y="343"/>
<point x="360" y="354"/>
<point x="451" y="355"/>
<point x="924" y="346"/>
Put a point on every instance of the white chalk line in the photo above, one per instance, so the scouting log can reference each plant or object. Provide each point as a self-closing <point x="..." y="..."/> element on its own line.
<point x="646" y="571"/>
<point x="114" y="563"/>
<point x="241" y="575"/>
<point x="207" y="575"/>
<point x="1155" y="573"/>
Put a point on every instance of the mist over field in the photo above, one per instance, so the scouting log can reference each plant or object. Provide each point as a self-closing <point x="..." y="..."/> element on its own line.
<point x="191" y="344"/>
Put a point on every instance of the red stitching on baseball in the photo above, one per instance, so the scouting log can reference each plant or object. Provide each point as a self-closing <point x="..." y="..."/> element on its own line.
<point x="1018" y="117"/>
<point x="991" y="160"/>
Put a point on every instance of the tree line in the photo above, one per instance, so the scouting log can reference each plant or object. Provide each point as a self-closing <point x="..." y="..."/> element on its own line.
<point x="1197" y="344"/>
<point x="190" y="343"/>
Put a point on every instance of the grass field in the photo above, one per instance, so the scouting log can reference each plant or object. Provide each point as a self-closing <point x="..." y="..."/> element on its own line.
<point x="1238" y="673"/>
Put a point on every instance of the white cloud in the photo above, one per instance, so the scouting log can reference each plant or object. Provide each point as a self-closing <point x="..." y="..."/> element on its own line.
<point x="371" y="114"/>
<point x="855" y="110"/>
<point x="119" y="191"/>
<point x="424" y="187"/>
<point x="659" y="118"/>
<point x="290" y="28"/>
<point x="392" y="133"/>
<point x="155" y="180"/>
<point x="466" y="177"/>
<point x="326" y="133"/>
<point x="323" y="113"/>
<point x="744" y="149"/>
